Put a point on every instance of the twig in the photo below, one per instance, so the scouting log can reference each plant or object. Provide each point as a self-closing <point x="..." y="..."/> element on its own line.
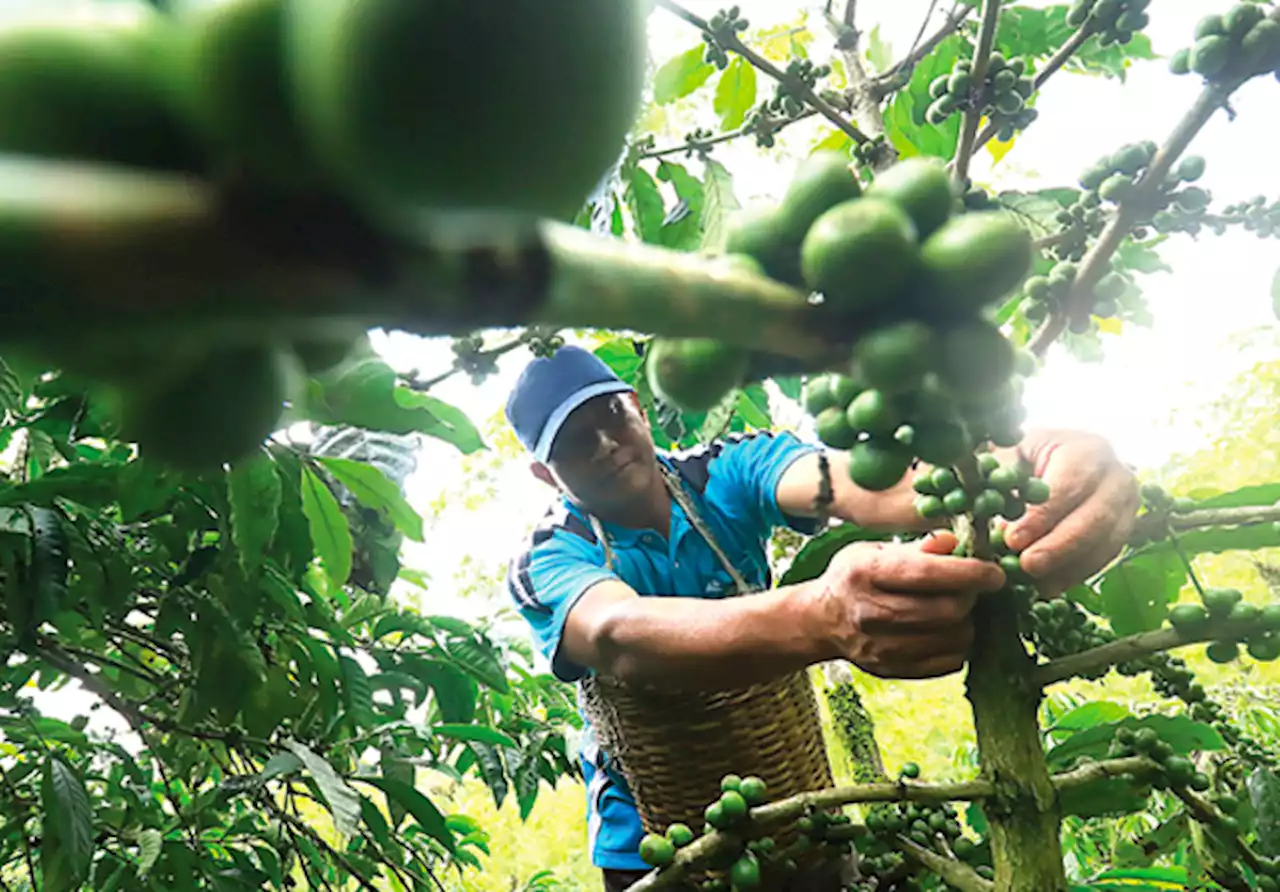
<point x="744" y="130"/>
<point x="492" y="353"/>
<point x="981" y="55"/>
<point x="1094" y="264"/>
<point x="1056" y="61"/>
<point x="957" y="874"/>
<point x="1206" y="813"/>
<point x="796" y="86"/>
<point x="337" y="856"/>
<point x="955" y="19"/>
<point x="1137" y="646"/>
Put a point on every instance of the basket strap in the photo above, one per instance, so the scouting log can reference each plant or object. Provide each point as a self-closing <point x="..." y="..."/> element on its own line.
<point x="676" y="488"/>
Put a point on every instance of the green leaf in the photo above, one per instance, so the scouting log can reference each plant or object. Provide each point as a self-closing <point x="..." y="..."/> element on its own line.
<point x="253" y="491"/>
<point x="1180" y="732"/>
<point x="1136" y="594"/>
<point x="492" y="770"/>
<point x="1090" y="714"/>
<point x="480" y="660"/>
<point x="718" y="203"/>
<point x="1145" y="879"/>
<point x="1264" y="795"/>
<point x="475" y="733"/>
<point x="449" y="423"/>
<point x="455" y="691"/>
<point x="645" y="203"/>
<point x="357" y="693"/>
<point x="879" y="50"/>
<point x="1107" y="797"/>
<point x="329" y="528"/>
<point x="905" y="118"/>
<point x="150" y="842"/>
<point x="681" y="75"/>
<point x="1140" y="258"/>
<point x="401" y="771"/>
<point x="11" y="393"/>
<point x="66" y="850"/>
<point x="752" y="406"/>
<point x="278" y="765"/>
<point x="90" y="484"/>
<point x="812" y="559"/>
<point x="735" y="93"/>
<point x="682" y="226"/>
<point x="1259" y="494"/>
<point x="366" y="393"/>
<point x="376" y="491"/>
<point x="423" y="810"/>
<point x="343" y="802"/>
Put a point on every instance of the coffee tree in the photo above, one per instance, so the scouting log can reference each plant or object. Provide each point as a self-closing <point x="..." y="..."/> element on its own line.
<point x="207" y="205"/>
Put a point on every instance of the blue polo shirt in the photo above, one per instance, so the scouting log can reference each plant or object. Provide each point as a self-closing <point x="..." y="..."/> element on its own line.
<point x="733" y="484"/>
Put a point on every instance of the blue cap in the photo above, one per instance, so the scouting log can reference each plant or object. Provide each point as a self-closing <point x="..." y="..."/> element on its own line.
<point x="550" y="388"/>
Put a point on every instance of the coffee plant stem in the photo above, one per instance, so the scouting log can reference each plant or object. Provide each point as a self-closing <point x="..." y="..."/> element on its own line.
<point x="1094" y="265"/>
<point x="1055" y="62"/>
<point x="1023" y="816"/>
<point x="957" y="874"/>
<point x="304" y="828"/>
<point x="1151" y="526"/>
<point x="981" y="54"/>
<point x="797" y="87"/>
<point x="736" y="133"/>
<point x="863" y="98"/>
<point x="1135" y="647"/>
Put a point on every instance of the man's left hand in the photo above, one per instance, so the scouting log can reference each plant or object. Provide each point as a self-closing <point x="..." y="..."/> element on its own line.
<point x="1093" y="500"/>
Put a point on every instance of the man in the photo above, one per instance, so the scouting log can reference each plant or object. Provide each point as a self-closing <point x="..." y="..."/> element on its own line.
<point x="617" y="580"/>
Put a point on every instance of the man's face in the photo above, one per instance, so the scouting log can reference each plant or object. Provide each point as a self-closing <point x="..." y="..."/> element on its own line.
<point x="604" y="455"/>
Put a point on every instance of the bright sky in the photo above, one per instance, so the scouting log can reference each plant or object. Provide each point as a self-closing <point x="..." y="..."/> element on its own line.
<point x="1138" y="397"/>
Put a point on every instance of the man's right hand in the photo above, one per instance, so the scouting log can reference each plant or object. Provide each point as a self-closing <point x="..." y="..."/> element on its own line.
<point x="903" y="610"/>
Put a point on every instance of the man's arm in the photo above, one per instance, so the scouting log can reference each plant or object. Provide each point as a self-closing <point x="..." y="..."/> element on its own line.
<point x="890" y="510"/>
<point x="895" y="610"/>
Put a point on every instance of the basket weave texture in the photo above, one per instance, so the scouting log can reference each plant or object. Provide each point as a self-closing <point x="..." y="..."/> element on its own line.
<point x="673" y="747"/>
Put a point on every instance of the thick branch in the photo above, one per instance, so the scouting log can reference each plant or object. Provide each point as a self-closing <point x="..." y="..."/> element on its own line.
<point x="1151" y="526"/>
<point x="1095" y="263"/>
<point x="774" y="813"/>
<point x="1135" y="647"/>
<point x="957" y="874"/>
<point x="981" y="55"/>
<point x="1056" y="61"/>
<point x="797" y="87"/>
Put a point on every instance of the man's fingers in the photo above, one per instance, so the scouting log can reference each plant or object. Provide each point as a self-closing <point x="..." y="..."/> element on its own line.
<point x="941" y="542"/>
<point x="1069" y="485"/>
<point x="1101" y="523"/>
<point x="911" y="571"/>
<point x="921" y="656"/>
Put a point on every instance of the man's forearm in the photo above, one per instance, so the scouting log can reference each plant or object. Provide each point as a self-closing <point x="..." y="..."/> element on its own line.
<point x="891" y="510"/>
<point x="706" y="644"/>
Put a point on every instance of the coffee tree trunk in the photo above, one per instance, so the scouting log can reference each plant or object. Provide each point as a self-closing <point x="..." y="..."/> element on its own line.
<point x="1023" y="815"/>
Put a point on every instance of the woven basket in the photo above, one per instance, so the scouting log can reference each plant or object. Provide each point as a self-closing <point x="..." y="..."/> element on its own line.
<point x="673" y="747"/>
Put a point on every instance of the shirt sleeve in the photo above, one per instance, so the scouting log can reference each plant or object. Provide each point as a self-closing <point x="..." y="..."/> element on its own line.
<point x="753" y="466"/>
<point x="546" y="581"/>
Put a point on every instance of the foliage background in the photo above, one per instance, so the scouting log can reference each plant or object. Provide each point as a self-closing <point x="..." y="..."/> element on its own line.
<point x="1190" y="401"/>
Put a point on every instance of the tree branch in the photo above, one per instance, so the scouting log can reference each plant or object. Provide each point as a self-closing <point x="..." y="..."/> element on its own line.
<point x="1135" y="647"/>
<point x="1094" y="265"/>
<point x="1207" y="813"/>
<point x="796" y="86"/>
<point x="981" y="55"/>
<point x="955" y="19"/>
<point x="864" y="98"/>
<point x="957" y="874"/>
<point x="792" y="807"/>
<point x="1152" y="526"/>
